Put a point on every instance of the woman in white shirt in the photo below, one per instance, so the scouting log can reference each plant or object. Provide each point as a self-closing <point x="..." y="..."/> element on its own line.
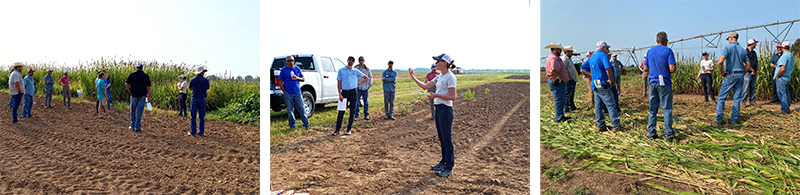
<point x="704" y="76"/>
<point x="443" y="101"/>
<point x="182" y="88"/>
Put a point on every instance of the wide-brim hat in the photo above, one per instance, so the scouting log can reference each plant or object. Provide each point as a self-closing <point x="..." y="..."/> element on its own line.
<point x="200" y="69"/>
<point x="18" y="64"/>
<point x="554" y="45"/>
<point x="568" y="48"/>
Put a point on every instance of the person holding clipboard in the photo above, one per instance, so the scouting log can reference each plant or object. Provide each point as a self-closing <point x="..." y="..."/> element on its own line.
<point x="443" y="101"/>
<point x="347" y="82"/>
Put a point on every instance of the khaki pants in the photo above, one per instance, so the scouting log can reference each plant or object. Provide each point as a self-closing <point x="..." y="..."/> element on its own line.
<point x="65" y="94"/>
<point x="588" y="82"/>
<point x="645" y="76"/>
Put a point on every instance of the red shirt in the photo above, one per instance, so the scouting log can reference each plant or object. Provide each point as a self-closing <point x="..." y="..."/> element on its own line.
<point x="431" y="75"/>
<point x="65" y="80"/>
<point x="554" y="63"/>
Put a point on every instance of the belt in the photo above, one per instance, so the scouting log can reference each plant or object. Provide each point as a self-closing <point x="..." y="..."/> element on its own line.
<point x="348" y="90"/>
<point x="736" y="72"/>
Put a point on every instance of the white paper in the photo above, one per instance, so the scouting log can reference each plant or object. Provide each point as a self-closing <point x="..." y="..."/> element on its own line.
<point x="149" y="106"/>
<point x="661" y="80"/>
<point x="422" y="92"/>
<point x="342" y="105"/>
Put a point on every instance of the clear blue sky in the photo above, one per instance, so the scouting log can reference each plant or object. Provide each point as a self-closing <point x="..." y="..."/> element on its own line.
<point x="223" y="33"/>
<point x="624" y="24"/>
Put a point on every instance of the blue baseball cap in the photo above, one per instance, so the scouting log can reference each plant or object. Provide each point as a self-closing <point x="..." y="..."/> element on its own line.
<point x="360" y="57"/>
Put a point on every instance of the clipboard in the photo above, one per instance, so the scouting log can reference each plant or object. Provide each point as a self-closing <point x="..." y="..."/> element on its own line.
<point x="342" y="105"/>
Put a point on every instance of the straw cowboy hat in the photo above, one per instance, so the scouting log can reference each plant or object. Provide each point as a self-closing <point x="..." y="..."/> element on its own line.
<point x="568" y="48"/>
<point x="18" y="64"/>
<point x="554" y="45"/>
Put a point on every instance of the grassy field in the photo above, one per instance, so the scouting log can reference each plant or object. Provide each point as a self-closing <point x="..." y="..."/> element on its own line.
<point x="163" y="77"/>
<point x="325" y="118"/>
<point x="754" y="157"/>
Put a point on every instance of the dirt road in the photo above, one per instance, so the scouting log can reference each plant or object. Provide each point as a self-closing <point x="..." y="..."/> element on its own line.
<point x="68" y="150"/>
<point x="491" y="135"/>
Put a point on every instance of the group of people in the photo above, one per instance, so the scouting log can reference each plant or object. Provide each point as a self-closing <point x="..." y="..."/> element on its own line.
<point x="353" y="84"/>
<point x="138" y="85"/>
<point x="737" y="65"/>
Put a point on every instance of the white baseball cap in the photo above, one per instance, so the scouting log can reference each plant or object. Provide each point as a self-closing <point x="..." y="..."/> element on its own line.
<point x="444" y="57"/>
<point x="602" y="44"/>
<point x="786" y="44"/>
<point x="751" y="41"/>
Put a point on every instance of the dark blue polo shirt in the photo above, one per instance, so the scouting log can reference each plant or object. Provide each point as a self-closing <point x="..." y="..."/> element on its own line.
<point x="138" y="81"/>
<point x="199" y="86"/>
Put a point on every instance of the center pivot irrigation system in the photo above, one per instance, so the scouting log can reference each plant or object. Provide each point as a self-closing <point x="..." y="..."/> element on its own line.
<point x="630" y="53"/>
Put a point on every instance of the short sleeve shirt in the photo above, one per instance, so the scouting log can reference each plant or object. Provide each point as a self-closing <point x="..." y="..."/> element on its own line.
<point x="138" y="81"/>
<point x="705" y="65"/>
<point x="443" y="84"/>
<point x="30" y="88"/>
<point x="15" y="77"/>
<point x="735" y="56"/>
<point x="48" y="82"/>
<point x="199" y="86"/>
<point x="389" y="77"/>
<point x="787" y="59"/>
<point x="65" y="80"/>
<point x="100" y="84"/>
<point x="658" y="60"/>
<point x="290" y="85"/>
<point x="571" y="71"/>
<point x="365" y="85"/>
<point x="775" y="58"/>
<point x="183" y="85"/>
<point x="555" y="65"/>
<point x="598" y="64"/>
<point x="617" y="68"/>
<point x="753" y="56"/>
<point x="349" y="78"/>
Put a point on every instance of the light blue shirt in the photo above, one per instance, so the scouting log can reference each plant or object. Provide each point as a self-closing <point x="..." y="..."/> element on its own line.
<point x="29" y="88"/>
<point x="389" y="77"/>
<point x="365" y="85"/>
<point x="48" y="82"/>
<point x="617" y="68"/>
<point x="735" y="56"/>
<point x="785" y="60"/>
<point x="349" y="78"/>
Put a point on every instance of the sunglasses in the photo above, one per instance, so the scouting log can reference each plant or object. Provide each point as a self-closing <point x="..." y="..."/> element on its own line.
<point x="290" y="60"/>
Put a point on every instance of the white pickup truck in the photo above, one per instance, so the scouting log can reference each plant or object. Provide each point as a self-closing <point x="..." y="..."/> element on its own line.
<point x="319" y="87"/>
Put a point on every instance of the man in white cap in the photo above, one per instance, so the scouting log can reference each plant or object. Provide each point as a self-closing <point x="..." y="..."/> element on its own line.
<point x="30" y="91"/>
<point x="733" y="64"/>
<point x="573" y="74"/>
<point x="16" y="88"/>
<point x="138" y="84"/>
<point x="783" y="76"/>
<point x="773" y="62"/>
<point x="199" y="86"/>
<point x="604" y="86"/>
<point x="749" y="89"/>
<point x="557" y="78"/>
<point x="660" y="64"/>
<point x="48" y="89"/>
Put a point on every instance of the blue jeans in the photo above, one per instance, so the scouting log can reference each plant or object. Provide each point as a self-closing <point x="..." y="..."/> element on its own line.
<point x="26" y="107"/>
<point x="570" y="104"/>
<point x="732" y="81"/>
<point x="783" y="93"/>
<point x="605" y="96"/>
<point x="749" y="88"/>
<point x="660" y="95"/>
<point x="444" y="127"/>
<point x="293" y="102"/>
<point x="137" y="108"/>
<point x="388" y="102"/>
<point x="198" y="105"/>
<point x="616" y="100"/>
<point x="108" y="96"/>
<point x="14" y="105"/>
<point x="362" y="95"/>
<point x="558" y="98"/>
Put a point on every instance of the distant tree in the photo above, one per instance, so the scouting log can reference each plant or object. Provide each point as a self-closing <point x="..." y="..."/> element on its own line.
<point x="795" y="49"/>
<point x="248" y="78"/>
<point x="239" y="78"/>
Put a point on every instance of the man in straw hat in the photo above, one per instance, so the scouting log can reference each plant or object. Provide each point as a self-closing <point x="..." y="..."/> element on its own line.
<point x="604" y="85"/>
<point x="138" y="84"/>
<point x="573" y="75"/>
<point x="48" y="89"/>
<point x="557" y="78"/>
<point x="199" y="86"/>
<point x="16" y="90"/>
<point x="733" y="64"/>
<point x="30" y="90"/>
<point x="660" y="64"/>
<point x="783" y="76"/>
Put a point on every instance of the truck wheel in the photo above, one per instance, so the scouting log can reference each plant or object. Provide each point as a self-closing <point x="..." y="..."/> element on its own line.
<point x="308" y="104"/>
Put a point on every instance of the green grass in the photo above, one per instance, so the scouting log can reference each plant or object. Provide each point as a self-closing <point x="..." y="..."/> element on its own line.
<point x="712" y="159"/>
<point x="325" y="118"/>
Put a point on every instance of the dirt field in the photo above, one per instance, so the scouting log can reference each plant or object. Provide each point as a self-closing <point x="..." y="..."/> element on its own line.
<point x="490" y="134"/>
<point x="68" y="150"/>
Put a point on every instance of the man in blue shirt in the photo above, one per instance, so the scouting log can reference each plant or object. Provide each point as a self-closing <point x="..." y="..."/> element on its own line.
<point x="30" y="90"/>
<point x="783" y="76"/>
<point x="199" y="86"/>
<point x="733" y="64"/>
<point x="660" y="64"/>
<point x="347" y="82"/>
<point x="602" y="84"/>
<point x="289" y="80"/>
<point x="48" y="89"/>
<point x="389" y="77"/>
<point x="778" y="52"/>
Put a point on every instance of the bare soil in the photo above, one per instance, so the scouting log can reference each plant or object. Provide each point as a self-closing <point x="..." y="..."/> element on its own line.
<point x="66" y="150"/>
<point x="490" y="134"/>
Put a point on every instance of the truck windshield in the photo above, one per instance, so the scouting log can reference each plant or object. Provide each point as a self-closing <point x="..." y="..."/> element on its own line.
<point x="307" y="63"/>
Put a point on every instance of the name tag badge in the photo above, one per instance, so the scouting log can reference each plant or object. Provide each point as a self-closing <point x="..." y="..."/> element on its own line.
<point x="598" y="83"/>
<point x="661" y="80"/>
